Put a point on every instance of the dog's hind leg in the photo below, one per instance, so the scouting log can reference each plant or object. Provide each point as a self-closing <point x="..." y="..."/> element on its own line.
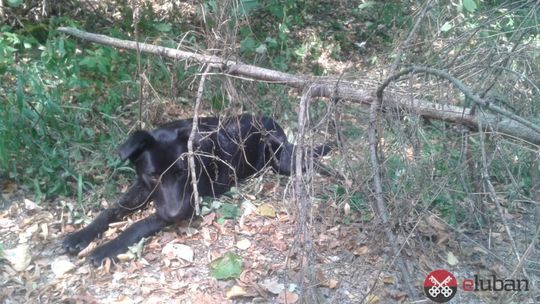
<point x="283" y="155"/>
<point x="131" y="235"/>
<point x="135" y="198"/>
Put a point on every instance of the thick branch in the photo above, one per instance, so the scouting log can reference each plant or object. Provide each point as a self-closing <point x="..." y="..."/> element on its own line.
<point x="326" y="87"/>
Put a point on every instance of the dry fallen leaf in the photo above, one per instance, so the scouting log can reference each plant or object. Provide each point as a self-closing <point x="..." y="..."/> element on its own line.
<point x="273" y="286"/>
<point x="347" y="208"/>
<point x="270" y="188"/>
<point x="6" y="223"/>
<point x="19" y="257"/>
<point x="398" y="295"/>
<point x="235" y="291"/>
<point x="332" y="283"/>
<point x="480" y="249"/>
<point x="84" y="269"/>
<point x="123" y="299"/>
<point x="360" y="250"/>
<point x="206" y="234"/>
<point x="107" y="266"/>
<point x="189" y="231"/>
<point x="86" y="251"/>
<point x="208" y="219"/>
<point x="127" y="256"/>
<point x="61" y="265"/>
<point x="44" y="230"/>
<point x="8" y="187"/>
<point x="248" y="207"/>
<point x="178" y="251"/>
<point x="451" y="259"/>
<point x="266" y="210"/>
<point x="372" y="299"/>
<point x="287" y="297"/>
<point x="388" y="280"/>
<point x="30" y="205"/>
<point x="243" y="244"/>
<point x="435" y="223"/>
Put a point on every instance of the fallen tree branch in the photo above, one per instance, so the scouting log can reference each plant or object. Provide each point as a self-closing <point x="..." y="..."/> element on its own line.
<point x="328" y="87"/>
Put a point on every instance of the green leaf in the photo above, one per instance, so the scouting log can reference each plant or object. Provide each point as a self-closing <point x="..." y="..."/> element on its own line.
<point x="366" y="5"/>
<point x="228" y="211"/>
<point x="248" y="45"/>
<point x="14" y="3"/>
<point x="227" y="266"/>
<point x="137" y="248"/>
<point x="301" y="51"/>
<point x="89" y="62"/>
<point x="215" y="205"/>
<point x="247" y="6"/>
<point x="446" y="27"/>
<point x="261" y="49"/>
<point x="280" y="63"/>
<point x="469" y="5"/>
<point x="162" y="27"/>
<point x="271" y="42"/>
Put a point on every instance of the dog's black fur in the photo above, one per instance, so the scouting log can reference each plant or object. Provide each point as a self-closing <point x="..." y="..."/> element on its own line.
<point x="226" y="151"/>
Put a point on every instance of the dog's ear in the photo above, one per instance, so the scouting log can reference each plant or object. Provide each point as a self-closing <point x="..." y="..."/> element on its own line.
<point x="135" y="145"/>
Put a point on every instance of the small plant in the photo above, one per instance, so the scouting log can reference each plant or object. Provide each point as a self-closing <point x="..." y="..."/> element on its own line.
<point x="228" y="266"/>
<point x="356" y="199"/>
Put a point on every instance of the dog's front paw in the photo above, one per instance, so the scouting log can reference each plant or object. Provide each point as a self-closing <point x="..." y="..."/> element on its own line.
<point x="77" y="241"/>
<point x="109" y="250"/>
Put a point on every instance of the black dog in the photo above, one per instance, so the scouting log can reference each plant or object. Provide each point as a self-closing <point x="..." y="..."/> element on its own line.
<point x="226" y="151"/>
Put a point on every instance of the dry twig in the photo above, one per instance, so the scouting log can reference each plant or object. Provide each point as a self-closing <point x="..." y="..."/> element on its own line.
<point x="304" y="200"/>
<point x="379" y="199"/>
<point x="194" y="128"/>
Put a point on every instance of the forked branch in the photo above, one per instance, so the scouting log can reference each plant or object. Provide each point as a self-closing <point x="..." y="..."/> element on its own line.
<point x="511" y="125"/>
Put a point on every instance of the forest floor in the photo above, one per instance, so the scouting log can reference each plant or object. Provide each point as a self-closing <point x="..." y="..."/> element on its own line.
<point x="353" y="261"/>
<point x="351" y="257"/>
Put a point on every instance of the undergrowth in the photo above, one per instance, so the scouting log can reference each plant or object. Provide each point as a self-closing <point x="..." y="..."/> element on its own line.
<point x="67" y="104"/>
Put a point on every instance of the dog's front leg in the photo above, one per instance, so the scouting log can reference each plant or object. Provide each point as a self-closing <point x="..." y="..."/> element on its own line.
<point x="135" y="198"/>
<point x="133" y="234"/>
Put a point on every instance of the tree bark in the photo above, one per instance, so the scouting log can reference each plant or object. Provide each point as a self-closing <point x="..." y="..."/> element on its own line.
<point x="331" y="88"/>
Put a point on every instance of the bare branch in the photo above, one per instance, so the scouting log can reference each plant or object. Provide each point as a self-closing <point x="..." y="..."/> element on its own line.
<point x="463" y="88"/>
<point x="194" y="128"/>
<point x="326" y="87"/>
<point x="412" y="34"/>
<point x="379" y="199"/>
<point x="301" y="185"/>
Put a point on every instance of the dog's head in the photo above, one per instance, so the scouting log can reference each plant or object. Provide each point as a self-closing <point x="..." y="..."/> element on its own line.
<point x="160" y="159"/>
